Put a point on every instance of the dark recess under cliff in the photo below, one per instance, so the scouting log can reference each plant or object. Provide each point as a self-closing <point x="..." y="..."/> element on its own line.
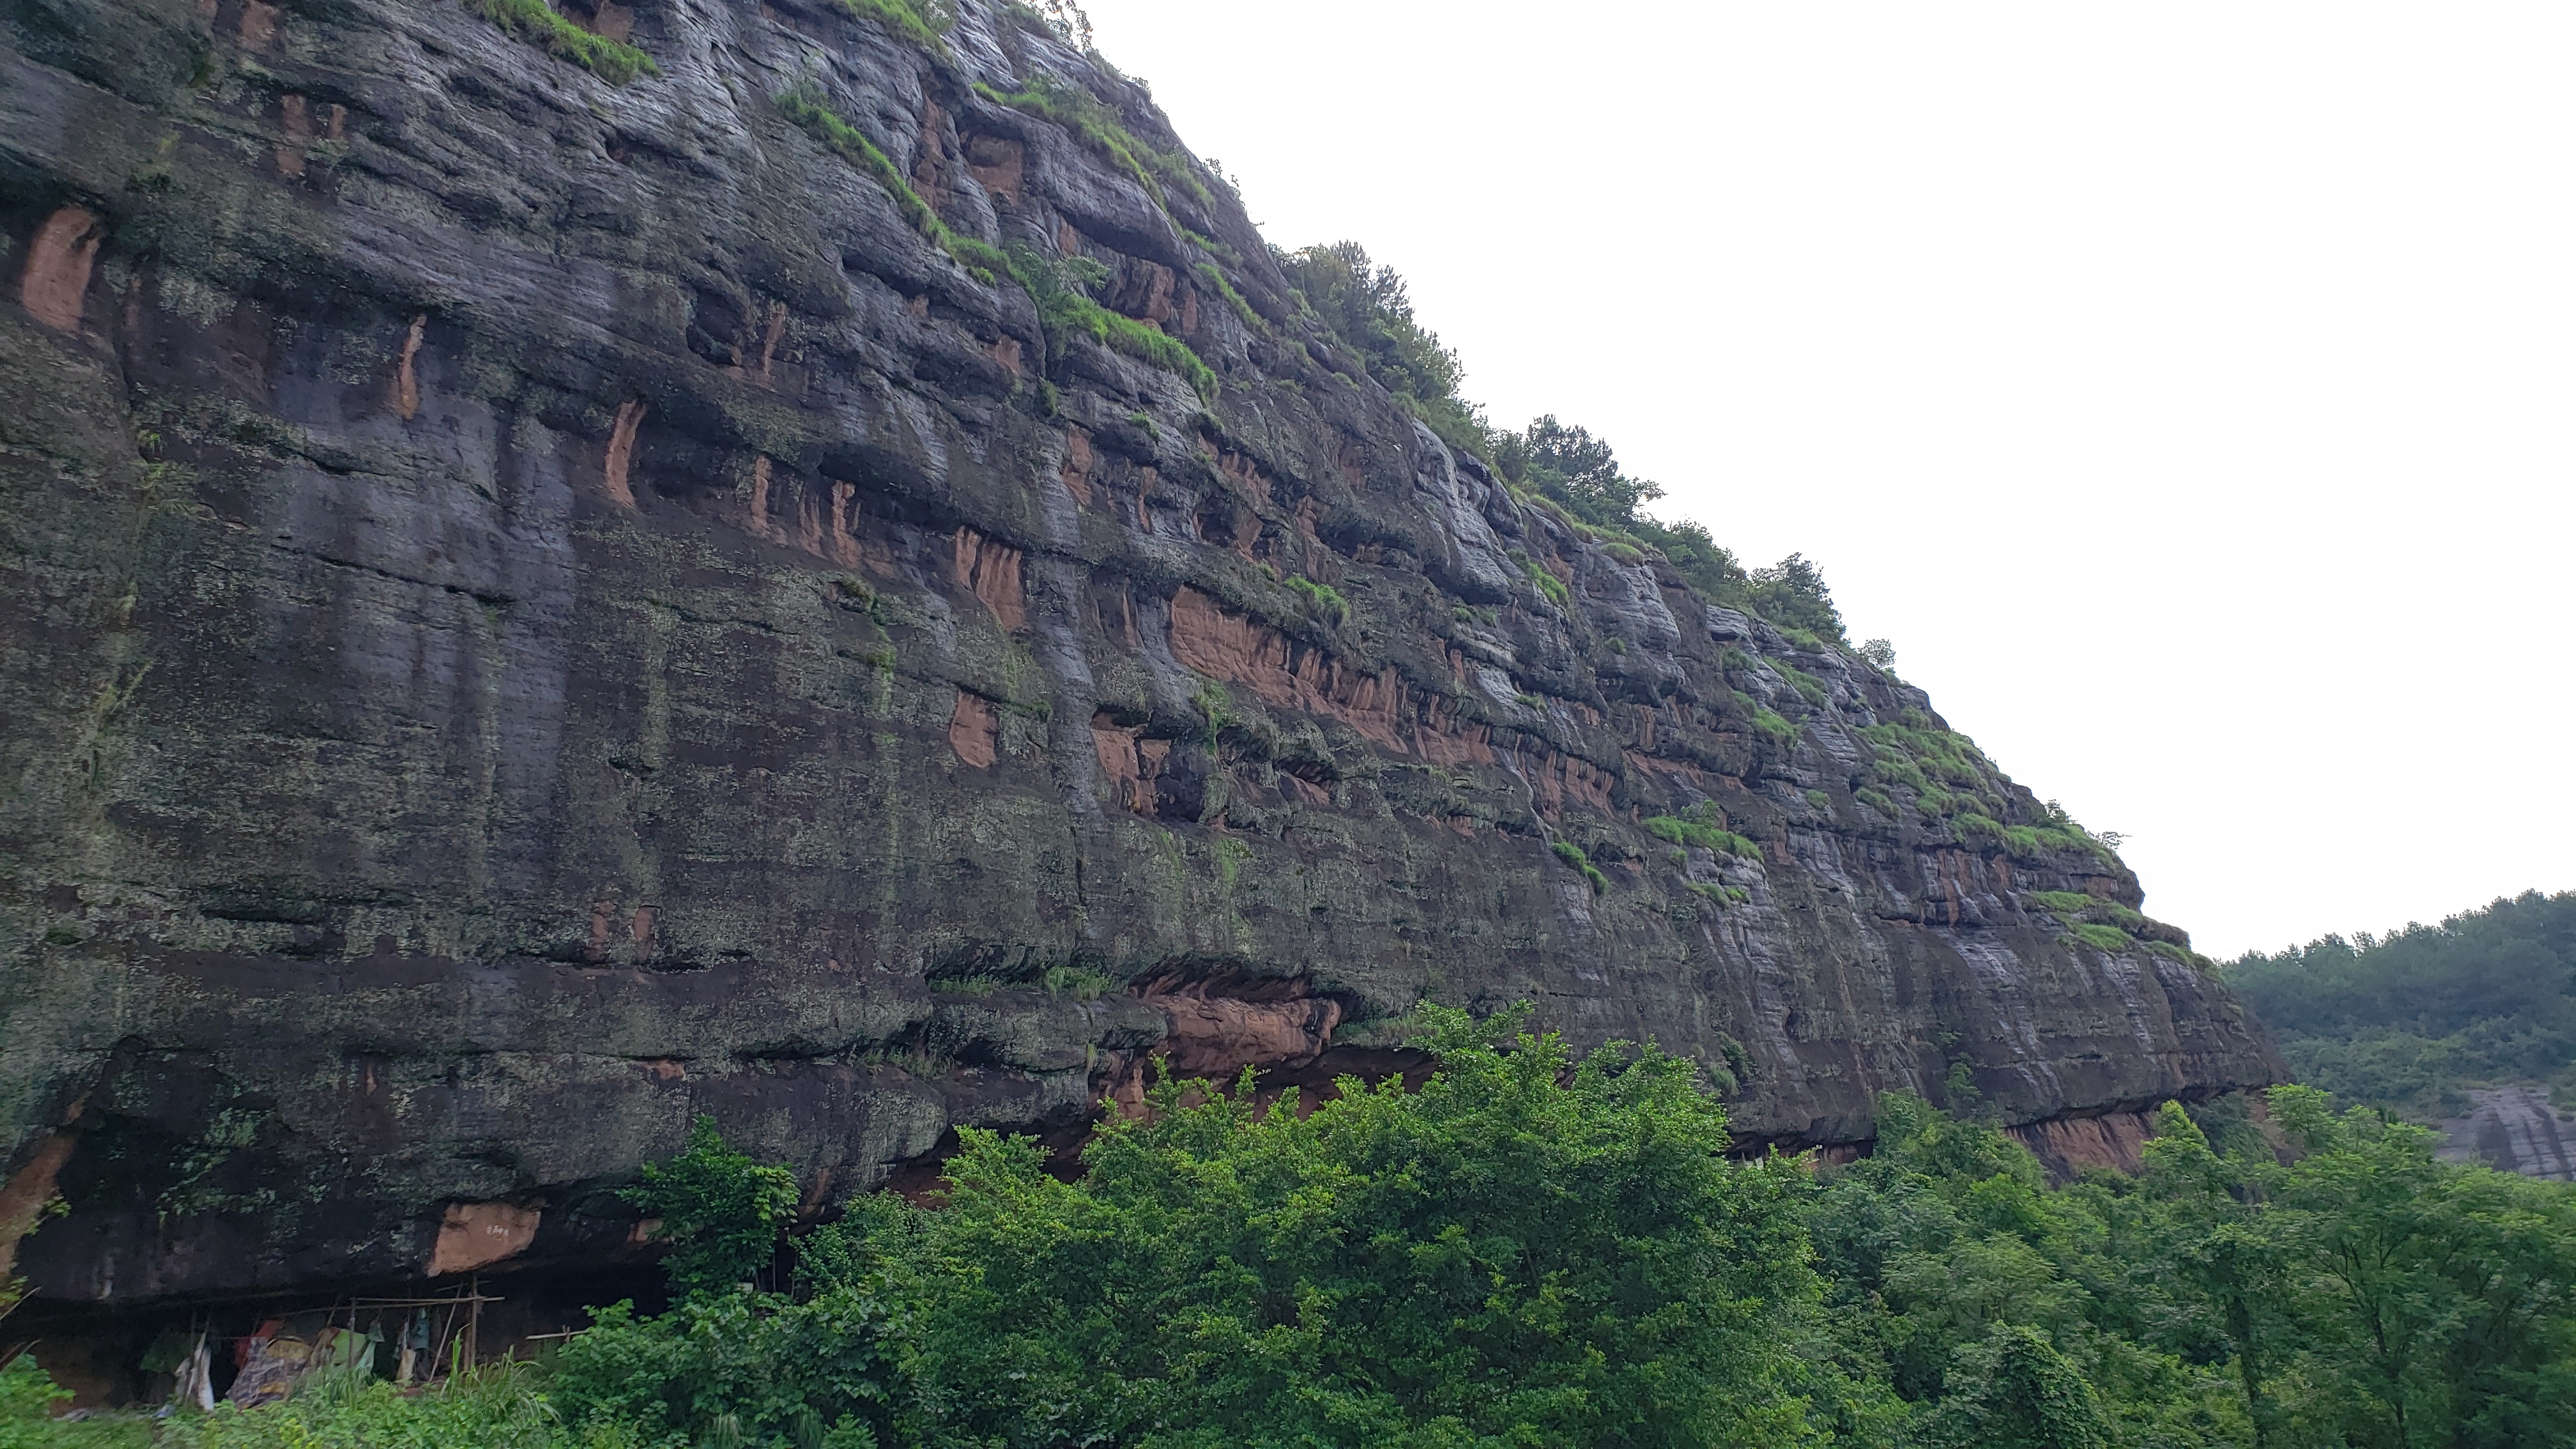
<point x="537" y="608"/>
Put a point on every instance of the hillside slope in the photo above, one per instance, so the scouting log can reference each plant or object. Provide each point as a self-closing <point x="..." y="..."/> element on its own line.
<point x="832" y="583"/>
<point x="2469" y="1025"/>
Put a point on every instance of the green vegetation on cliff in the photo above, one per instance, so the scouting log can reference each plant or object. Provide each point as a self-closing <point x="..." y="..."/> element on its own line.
<point x="1060" y="286"/>
<point x="1367" y="307"/>
<point x="2413" y="1020"/>
<point x="612" y="61"/>
<point x="1531" y="1249"/>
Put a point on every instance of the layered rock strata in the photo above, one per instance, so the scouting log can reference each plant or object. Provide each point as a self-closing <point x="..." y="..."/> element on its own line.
<point x="535" y="608"/>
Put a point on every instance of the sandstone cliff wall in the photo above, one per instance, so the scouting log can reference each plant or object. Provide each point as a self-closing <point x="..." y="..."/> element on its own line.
<point x="534" y="608"/>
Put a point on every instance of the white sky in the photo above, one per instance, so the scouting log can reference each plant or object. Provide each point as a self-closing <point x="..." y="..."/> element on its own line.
<point x="2188" y="390"/>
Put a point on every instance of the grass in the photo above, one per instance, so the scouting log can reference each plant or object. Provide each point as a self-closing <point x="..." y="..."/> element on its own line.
<point x="1946" y="753"/>
<point x="1766" y="720"/>
<point x="1064" y="308"/>
<point x="1325" y="599"/>
<point x="1820" y="799"/>
<point x="1808" y="686"/>
<point x="1080" y="112"/>
<point x="612" y="61"/>
<point x="1723" y="895"/>
<point x="922" y="25"/>
<point x="1214" y="276"/>
<point x="1078" y="982"/>
<point x="497" y="1406"/>
<point x="2102" y="938"/>
<point x="1898" y="770"/>
<point x="805" y="107"/>
<point x="1218" y="708"/>
<point x="2033" y="844"/>
<point x="1683" y="830"/>
<point x="2181" y="955"/>
<point x="1548" y="583"/>
<point x="1878" y="800"/>
<point x="1573" y="855"/>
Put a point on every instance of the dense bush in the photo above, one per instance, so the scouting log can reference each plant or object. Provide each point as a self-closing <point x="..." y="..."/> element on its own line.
<point x="1533" y="1250"/>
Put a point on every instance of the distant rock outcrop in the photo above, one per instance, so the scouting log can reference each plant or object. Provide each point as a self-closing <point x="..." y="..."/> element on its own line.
<point x="2516" y="1129"/>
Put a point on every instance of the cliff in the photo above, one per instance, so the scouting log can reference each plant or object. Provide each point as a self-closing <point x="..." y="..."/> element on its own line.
<point x="833" y="584"/>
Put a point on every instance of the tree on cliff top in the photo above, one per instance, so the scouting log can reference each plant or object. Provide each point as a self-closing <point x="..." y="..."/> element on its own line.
<point x="1367" y="307"/>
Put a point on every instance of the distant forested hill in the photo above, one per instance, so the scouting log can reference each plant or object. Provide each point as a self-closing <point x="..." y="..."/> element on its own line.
<point x="2416" y="1020"/>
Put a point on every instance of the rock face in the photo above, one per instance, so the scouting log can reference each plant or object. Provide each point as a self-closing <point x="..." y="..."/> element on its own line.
<point x="2514" y="1129"/>
<point x="535" y="608"/>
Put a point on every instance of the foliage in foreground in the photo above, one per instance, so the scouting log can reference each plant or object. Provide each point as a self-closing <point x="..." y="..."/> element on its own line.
<point x="1533" y="1250"/>
<point x="2413" y="1020"/>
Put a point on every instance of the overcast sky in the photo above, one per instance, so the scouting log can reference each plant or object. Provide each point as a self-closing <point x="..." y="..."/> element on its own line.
<point x="2188" y="390"/>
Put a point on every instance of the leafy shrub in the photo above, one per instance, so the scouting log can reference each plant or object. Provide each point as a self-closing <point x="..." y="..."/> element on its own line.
<point x="1529" y="1249"/>
<point x="612" y="61"/>
<point x="721" y="1212"/>
<point x="27" y="1399"/>
<point x="1569" y="466"/>
<point x="1367" y="308"/>
<point x="1081" y="983"/>
<point x="739" y="1367"/>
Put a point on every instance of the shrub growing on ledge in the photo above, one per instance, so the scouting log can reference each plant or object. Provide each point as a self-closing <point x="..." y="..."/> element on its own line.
<point x="2101" y="938"/>
<point x="1326" y="600"/>
<point x="1572" y="854"/>
<point x="1681" y="830"/>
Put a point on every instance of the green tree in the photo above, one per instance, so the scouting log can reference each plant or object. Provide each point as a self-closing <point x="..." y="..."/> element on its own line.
<point x="1578" y="470"/>
<point x="2012" y="1389"/>
<point x="720" y="1212"/>
<point x="1526" y="1250"/>
<point x="1367" y="307"/>
<point x="2413" y="1020"/>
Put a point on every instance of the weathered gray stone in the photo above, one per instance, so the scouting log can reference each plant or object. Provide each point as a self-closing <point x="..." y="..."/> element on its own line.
<point x="2514" y="1129"/>
<point x="535" y="608"/>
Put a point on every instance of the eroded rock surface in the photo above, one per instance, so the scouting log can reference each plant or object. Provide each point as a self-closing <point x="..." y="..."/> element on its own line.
<point x="536" y="608"/>
<point x="2514" y="1129"/>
